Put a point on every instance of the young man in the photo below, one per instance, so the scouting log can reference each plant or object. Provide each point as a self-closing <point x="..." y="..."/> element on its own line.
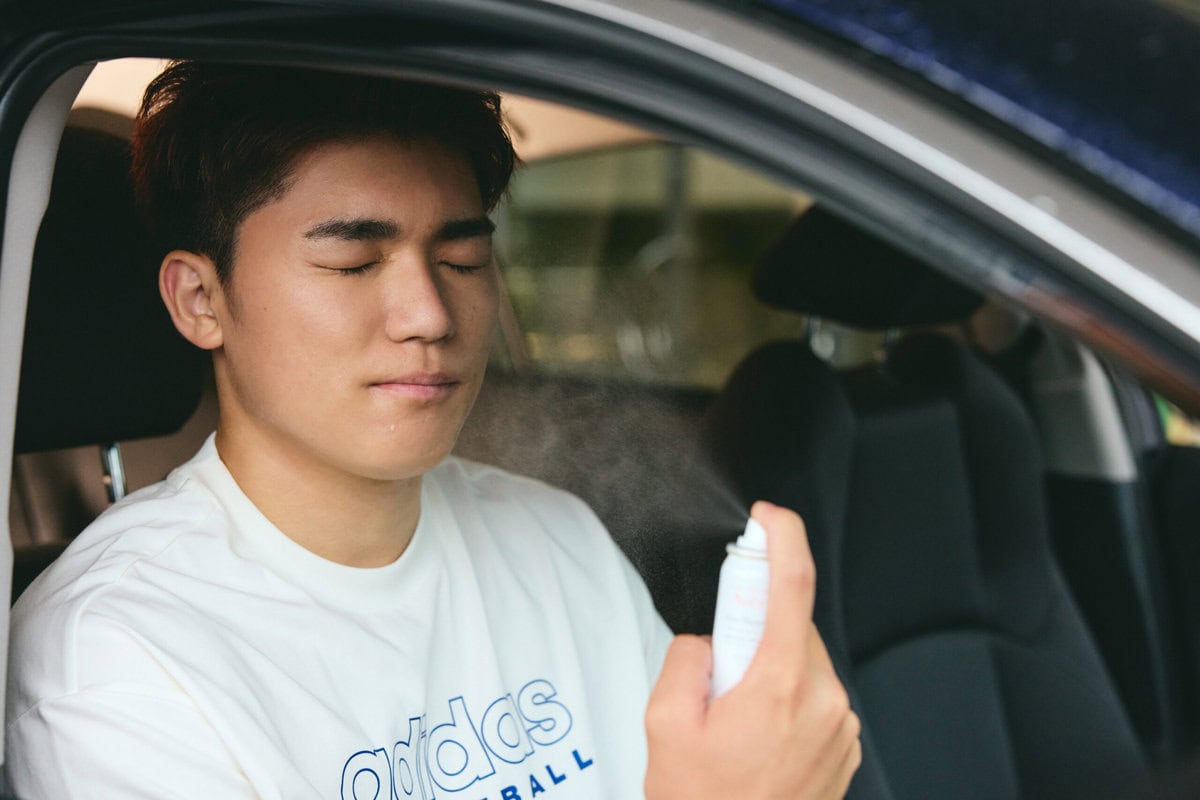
<point x="323" y="603"/>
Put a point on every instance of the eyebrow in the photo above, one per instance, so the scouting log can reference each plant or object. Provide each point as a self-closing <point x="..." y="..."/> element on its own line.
<point x="354" y="230"/>
<point x="367" y="230"/>
<point x="466" y="229"/>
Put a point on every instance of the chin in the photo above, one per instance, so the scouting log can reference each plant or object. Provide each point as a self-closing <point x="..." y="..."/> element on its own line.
<point x="403" y="463"/>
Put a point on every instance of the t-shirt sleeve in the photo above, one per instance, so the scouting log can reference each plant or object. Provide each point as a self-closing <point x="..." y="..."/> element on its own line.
<point x="106" y="720"/>
<point x="108" y="743"/>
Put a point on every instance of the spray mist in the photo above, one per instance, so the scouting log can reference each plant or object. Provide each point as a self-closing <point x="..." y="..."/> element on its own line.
<point x="741" y="608"/>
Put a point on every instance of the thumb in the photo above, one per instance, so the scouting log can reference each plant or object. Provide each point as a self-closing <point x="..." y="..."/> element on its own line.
<point x="681" y="693"/>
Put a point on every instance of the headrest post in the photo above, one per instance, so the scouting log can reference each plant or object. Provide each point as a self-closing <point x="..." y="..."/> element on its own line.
<point x="114" y="471"/>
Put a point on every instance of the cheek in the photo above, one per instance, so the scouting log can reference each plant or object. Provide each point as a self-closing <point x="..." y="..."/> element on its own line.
<point x="481" y="317"/>
<point x="319" y="310"/>
<point x="294" y="335"/>
<point x="486" y="299"/>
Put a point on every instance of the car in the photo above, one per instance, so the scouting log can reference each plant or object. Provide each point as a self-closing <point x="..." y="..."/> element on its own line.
<point x="928" y="272"/>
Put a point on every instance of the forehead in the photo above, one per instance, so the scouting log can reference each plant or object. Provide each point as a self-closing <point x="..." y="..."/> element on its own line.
<point x="361" y="175"/>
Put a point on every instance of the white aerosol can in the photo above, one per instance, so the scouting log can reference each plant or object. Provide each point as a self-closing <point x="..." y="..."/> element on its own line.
<point x="741" y="608"/>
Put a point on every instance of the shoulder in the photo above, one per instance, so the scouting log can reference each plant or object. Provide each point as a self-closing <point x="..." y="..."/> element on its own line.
<point x="129" y="557"/>
<point x="142" y="526"/>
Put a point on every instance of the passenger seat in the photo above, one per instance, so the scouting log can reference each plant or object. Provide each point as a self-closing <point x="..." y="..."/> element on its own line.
<point x="101" y="362"/>
<point x="921" y="484"/>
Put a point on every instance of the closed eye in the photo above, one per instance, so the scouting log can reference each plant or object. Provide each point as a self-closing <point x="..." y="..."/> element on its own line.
<point x="359" y="270"/>
<point x="466" y="269"/>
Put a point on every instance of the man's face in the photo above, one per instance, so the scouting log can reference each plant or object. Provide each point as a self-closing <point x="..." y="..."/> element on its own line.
<point x="359" y="312"/>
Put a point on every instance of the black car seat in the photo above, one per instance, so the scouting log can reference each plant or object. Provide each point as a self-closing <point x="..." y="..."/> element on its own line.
<point x="920" y="483"/>
<point x="101" y="362"/>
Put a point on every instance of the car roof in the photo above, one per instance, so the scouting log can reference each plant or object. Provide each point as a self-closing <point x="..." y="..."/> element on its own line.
<point x="539" y="129"/>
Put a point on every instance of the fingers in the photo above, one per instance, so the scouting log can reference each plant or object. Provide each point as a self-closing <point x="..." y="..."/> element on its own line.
<point x="854" y="753"/>
<point x="681" y="693"/>
<point x="792" y="585"/>
<point x="818" y="655"/>
<point x="787" y="729"/>
<point x="850" y="745"/>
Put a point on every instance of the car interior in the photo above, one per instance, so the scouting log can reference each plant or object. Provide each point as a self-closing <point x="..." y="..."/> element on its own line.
<point x="1004" y="529"/>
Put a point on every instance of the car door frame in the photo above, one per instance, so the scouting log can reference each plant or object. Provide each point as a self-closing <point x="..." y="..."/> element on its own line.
<point x="970" y="201"/>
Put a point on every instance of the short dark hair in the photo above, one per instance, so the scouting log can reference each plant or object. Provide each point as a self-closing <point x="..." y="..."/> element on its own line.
<point x="213" y="142"/>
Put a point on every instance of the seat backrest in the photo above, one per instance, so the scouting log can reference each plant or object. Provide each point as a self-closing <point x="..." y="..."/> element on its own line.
<point x="938" y="592"/>
<point x="101" y="362"/>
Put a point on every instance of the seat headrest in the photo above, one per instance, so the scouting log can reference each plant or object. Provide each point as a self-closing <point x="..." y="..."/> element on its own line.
<point x="102" y="361"/>
<point x="833" y="270"/>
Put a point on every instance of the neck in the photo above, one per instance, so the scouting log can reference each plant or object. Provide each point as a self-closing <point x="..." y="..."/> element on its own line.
<point x="348" y="519"/>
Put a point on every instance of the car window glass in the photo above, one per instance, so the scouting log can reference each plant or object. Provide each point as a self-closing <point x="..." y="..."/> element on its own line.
<point x="608" y="253"/>
<point x="1178" y="426"/>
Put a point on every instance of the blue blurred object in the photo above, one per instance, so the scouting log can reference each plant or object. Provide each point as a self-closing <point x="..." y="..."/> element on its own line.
<point x="1103" y="83"/>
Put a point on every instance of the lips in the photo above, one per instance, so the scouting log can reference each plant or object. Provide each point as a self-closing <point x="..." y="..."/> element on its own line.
<point x="420" y="386"/>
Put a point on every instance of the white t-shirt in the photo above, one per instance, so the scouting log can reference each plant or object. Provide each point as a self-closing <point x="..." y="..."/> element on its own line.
<point x="184" y="647"/>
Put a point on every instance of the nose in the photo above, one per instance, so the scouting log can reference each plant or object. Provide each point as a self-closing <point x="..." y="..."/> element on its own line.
<point x="416" y="304"/>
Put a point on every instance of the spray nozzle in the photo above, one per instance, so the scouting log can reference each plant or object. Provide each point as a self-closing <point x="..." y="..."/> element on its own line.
<point x="753" y="538"/>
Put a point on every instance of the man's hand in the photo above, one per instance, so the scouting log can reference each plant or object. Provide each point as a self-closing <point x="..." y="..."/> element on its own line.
<point x="786" y="731"/>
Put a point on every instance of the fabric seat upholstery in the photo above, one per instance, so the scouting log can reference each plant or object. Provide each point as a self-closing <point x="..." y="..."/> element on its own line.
<point x="101" y="361"/>
<point x="938" y="593"/>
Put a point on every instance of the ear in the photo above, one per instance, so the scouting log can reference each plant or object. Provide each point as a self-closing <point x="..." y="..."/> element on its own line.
<point x="192" y="293"/>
